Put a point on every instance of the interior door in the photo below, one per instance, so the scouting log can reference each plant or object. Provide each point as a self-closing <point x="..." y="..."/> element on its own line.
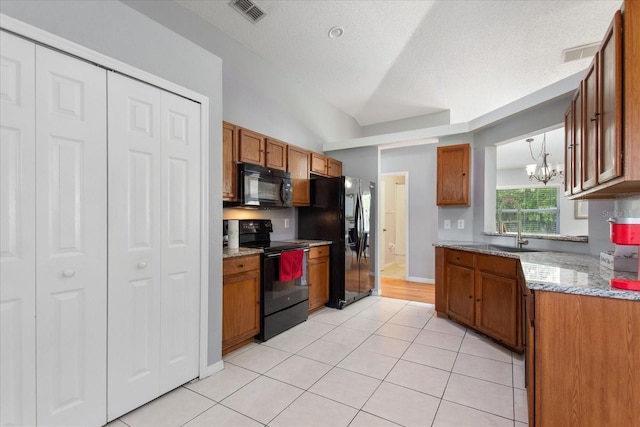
<point x="71" y="194"/>
<point x="180" y="218"/>
<point x="134" y="244"/>
<point x="17" y="232"/>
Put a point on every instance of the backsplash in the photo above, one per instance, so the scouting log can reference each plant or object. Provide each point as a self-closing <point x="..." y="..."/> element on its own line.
<point x="628" y="207"/>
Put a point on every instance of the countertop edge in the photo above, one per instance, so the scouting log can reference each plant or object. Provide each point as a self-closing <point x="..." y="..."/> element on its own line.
<point x="588" y="276"/>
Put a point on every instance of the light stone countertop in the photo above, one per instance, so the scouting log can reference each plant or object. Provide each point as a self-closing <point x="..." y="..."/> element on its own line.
<point x="230" y="253"/>
<point x="561" y="271"/>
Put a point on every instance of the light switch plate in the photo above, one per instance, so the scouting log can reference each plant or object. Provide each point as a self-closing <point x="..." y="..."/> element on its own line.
<point x="447" y="224"/>
<point x="460" y="223"/>
<point x="286" y="223"/>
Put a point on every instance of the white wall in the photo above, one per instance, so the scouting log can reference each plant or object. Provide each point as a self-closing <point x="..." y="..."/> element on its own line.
<point x="420" y="164"/>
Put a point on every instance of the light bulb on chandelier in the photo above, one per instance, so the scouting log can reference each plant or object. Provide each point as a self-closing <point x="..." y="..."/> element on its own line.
<point x="542" y="171"/>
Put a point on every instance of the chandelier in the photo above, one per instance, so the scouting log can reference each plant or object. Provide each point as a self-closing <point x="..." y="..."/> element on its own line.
<point x="542" y="170"/>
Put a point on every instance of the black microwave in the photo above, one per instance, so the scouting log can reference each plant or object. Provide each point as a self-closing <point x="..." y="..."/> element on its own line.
<point x="261" y="187"/>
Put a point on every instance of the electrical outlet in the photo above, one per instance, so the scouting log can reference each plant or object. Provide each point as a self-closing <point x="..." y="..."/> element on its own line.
<point x="447" y="224"/>
<point x="286" y="223"/>
<point x="460" y="224"/>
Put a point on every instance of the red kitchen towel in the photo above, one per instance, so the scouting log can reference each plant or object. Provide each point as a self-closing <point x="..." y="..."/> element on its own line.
<point x="290" y="265"/>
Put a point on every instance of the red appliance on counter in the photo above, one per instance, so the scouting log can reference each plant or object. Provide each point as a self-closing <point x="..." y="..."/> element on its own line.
<point x="626" y="231"/>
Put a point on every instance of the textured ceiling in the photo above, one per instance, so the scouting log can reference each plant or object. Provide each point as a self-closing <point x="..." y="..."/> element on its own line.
<point x="400" y="59"/>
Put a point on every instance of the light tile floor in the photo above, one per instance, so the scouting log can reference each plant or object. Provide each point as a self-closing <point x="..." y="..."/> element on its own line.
<point x="378" y="362"/>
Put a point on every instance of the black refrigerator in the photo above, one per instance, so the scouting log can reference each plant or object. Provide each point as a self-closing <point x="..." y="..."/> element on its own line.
<point x="342" y="210"/>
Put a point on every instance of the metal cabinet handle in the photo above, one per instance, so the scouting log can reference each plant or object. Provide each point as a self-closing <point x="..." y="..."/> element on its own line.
<point x="69" y="273"/>
<point x="142" y="264"/>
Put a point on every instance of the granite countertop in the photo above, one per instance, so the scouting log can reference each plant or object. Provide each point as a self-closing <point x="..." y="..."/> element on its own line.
<point x="230" y="253"/>
<point x="561" y="271"/>
<point x="311" y="243"/>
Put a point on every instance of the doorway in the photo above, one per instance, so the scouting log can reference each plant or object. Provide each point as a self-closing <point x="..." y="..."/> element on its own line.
<point x="394" y="220"/>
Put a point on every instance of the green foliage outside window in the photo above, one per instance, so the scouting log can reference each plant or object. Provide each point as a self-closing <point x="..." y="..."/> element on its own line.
<point x="539" y="210"/>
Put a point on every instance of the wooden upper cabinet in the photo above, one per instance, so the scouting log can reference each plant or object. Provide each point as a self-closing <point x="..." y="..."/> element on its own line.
<point x="318" y="163"/>
<point x="590" y="126"/>
<point x="229" y="150"/>
<point x="610" y="102"/>
<point x="453" y="175"/>
<point x="251" y="147"/>
<point x="576" y="177"/>
<point x="298" y="166"/>
<point x="334" y="167"/>
<point x="568" y="150"/>
<point x="606" y="128"/>
<point x="276" y="156"/>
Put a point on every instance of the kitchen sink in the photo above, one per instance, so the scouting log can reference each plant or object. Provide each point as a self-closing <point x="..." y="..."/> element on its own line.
<point x="501" y="248"/>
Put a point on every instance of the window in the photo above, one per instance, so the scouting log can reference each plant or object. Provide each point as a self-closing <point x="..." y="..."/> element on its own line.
<point x="539" y="210"/>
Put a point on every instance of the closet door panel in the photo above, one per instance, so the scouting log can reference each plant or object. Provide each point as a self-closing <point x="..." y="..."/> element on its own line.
<point x="71" y="193"/>
<point x="134" y="244"/>
<point x="181" y="241"/>
<point x="17" y="232"/>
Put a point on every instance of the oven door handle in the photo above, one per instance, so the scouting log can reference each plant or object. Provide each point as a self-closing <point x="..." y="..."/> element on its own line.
<point x="277" y="254"/>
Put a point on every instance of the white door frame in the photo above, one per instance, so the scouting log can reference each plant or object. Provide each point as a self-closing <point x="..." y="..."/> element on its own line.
<point x="40" y="36"/>
<point x="406" y="217"/>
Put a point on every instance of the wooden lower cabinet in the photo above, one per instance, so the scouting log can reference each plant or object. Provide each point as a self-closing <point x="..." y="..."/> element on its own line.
<point x="318" y="277"/>
<point x="583" y="365"/>
<point x="482" y="292"/>
<point x="240" y="300"/>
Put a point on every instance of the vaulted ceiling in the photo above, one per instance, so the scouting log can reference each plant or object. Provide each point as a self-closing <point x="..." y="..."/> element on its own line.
<point x="400" y="59"/>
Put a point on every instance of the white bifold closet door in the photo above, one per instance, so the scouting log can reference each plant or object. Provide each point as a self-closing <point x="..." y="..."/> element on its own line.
<point x="71" y="218"/>
<point x="17" y="232"/>
<point x="154" y="242"/>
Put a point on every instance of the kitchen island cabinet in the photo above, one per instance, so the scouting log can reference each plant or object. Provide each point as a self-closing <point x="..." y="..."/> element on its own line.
<point x="318" y="280"/>
<point x="240" y="301"/>
<point x="582" y="360"/>
<point x="482" y="292"/>
<point x="581" y="336"/>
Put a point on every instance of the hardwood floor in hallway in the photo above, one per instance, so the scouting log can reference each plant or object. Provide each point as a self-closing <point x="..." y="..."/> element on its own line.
<point x="410" y="291"/>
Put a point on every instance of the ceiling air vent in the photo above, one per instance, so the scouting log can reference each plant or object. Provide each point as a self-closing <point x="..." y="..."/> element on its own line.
<point x="248" y="9"/>
<point x="580" y="52"/>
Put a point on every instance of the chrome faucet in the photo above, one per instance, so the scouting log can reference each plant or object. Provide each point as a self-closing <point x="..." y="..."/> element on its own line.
<point x="519" y="240"/>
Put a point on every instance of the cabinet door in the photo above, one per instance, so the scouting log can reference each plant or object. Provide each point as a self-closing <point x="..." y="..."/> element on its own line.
<point x="453" y="175"/>
<point x="251" y="147"/>
<point x="576" y="152"/>
<point x="18" y="232"/>
<point x="240" y="307"/>
<point x="334" y="167"/>
<point x="568" y="150"/>
<point x="590" y="124"/>
<point x="460" y="293"/>
<point x="71" y="160"/>
<point x="134" y="244"/>
<point x="318" y="164"/>
<point x="610" y="108"/>
<point x="318" y="277"/>
<point x="229" y="157"/>
<point x="180" y="255"/>
<point x="276" y="154"/>
<point x="497" y="314"/>
<point x="298" y="166"/>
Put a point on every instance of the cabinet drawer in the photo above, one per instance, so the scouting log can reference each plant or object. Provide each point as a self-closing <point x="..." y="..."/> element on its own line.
<point x="240" y="264"/>
<point x="319" y="252"/>
<point x="498" y="265"/>
<point x="460" y="257"/>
